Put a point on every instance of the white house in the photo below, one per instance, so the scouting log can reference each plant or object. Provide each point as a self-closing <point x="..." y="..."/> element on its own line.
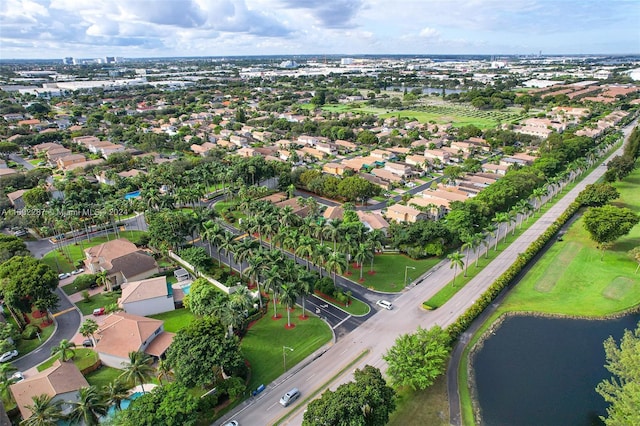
<point x="146" y="297"/>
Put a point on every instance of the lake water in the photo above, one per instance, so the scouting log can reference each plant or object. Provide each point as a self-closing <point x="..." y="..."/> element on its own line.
<point x="543" y="371"/>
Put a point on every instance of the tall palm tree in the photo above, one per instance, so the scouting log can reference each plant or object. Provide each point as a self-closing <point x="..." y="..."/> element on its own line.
<point x="115" y="392"/>
<point x="65" y="350"/>
<point x="44" y="411"/>
<point x="305" y="248"/>
<point x="456" y="262"/>
<point x="138" y="369"/>
<point x="336" y="263"/>
<point x="363" y="253"/>
<point x="272" y="281"/>
<point x="244" y="250"/>
<point x="210" y="230"/>
<point x="256" y="266"/>
<point x="320" y="256"/>
<point x="288" y="296"/>
<point x="88" y="328"/>
<point x="305" y="282"/>
<point x="501" y="218"/>
<point x="332" y="231"/>
<point x="102" y="279"/>
<point x="227" y="244"/>
<point x="90" y="406"/>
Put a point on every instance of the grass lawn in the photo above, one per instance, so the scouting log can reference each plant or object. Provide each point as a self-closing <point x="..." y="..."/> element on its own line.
<point x="59" y="262"/>
<point x="389" y="269"/>
<point x="103" y="376"/>
<point x="426" y="407"/>
<point x="83" y="358"/>
<point x="25" y="346"/>
<point x="175" y="320"/>
<point x="572" y="279"/>
<point x="264" y="341"/>
<point x="99" y="300"/>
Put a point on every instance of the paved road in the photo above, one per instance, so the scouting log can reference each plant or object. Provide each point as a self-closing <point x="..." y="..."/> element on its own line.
<point x="378" y="333"/>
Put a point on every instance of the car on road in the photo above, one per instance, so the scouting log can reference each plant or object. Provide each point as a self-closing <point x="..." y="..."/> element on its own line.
<point x="20" y="233"/>
<point x="98" y="311"/>
<point x="8" y="356"/>
<point x="87" y="343"/>
<point x="77" y="271"/>
<point x="385" y="304"/>
<point x="289" y="397"/>
<point x="63" y="276"/>
<point x="232" y="423"/>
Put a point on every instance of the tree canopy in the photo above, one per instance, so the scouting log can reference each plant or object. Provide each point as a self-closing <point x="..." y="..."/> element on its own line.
<point x="608" y="223"/>
<point x="201" y="351"/>
<point x="170" y="405"/>
<point x="417" y="359"/>
<point x="367" y="400"/>
<point x="622" y="390"/>
<point x="597" y="194"/>
<point x="25" y="281"/>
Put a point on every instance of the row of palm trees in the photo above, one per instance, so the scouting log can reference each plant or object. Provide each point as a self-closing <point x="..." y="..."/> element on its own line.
<point x="93" y="403"/>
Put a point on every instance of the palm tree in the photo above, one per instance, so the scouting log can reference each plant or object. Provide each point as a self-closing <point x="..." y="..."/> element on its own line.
<point x="244" y="251"/>
<point x="89" y="407"/>
<point x="288" y="296"/>
<point x="115" y="392"/>
<point x="256" y="266"/>
<point x="320" y="256"/>
<point x="226" y="244"/>
<point x="501" y="218"/>
<point x="210" y="230"/>
<point x="138" y="369"/>
<point x="538" y="193"/>
<point x="272" y="282"/>
<point x="456" y="262"/>
<point x="332" y="231"/>
<point x="87" y="329"/>
<point x="304" y="283"/>
<point x="44" y="411"/>
<point x="102" y="279"/>
<point x="363" y="253"/>
<point x="6" y="370"/>
<point x="336" y="263"/>
<point x="164" y="371"/>
<point x="65" y="350"/>
<point x="305" y="248"/>
<point x="490" y="232"/>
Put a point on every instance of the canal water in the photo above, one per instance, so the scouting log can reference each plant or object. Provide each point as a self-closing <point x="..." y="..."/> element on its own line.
<point x="543" y="371"/>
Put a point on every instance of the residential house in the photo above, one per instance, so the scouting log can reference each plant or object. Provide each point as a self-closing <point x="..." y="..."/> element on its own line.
<point x="345" y="146"/>
<point x="401" y="213"/>
<point x="247" y="152"/>
<point x="53" y="154"/>
<point x="64" y="162"/>
<point x="399" y="169"/>
<point x="202" y="149"/>
<point x="499" y="169"/>
<point x="381" y="154"/>
<point x="122" y="261"/>
<point x="146" y="297"/>
<point x="5" y="172"/>
<point x="387" y="175"/>
<point x="45" y="147"/>
<point x="373" y="220"/>
<point x="239" y="141"/>
<point x="418" y="161"/>
<point x="15" y="198"/>
<point x="336" y="169"/>
<point x="61" y="382"/>
<point x="333" y="213"/>
<point x="327" y="148"/>
<point x="439" y="154"/>
<point x="382" y="183"/>
<point x="435" y="208"/>
<point x="122" y="333"/>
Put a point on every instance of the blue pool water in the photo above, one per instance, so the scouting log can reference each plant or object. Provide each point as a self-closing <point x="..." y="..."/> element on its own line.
<point x="124" y="404"/>
<point x="131" y="195"/>
<point x="186" y="288"/>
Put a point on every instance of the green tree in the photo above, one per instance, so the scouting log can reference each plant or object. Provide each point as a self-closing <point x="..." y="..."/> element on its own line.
<point x="288" y="295"/>
<point x="608" y="223"/>
<point x="44" y="411"/>
<point x="456" y="259"/>
<point x="138" y="369"/>
<point x="623" y="390"/>
<point x="65" y="350"/>
<point x="25" y="280"/>
<point x="417" y="359"/>
<point x="201" y="351"/>
<point x="7" y="148"/>
<point x="367" y="400"/>
<point x="597" y="194"/>
<point x="88" y="328"/>
<point x="11" y="246"/>
<point x="170" y="405"/>
<point x="89" y="407"/>
<point x="115" y="392"/>
<point x="635" y="254"/>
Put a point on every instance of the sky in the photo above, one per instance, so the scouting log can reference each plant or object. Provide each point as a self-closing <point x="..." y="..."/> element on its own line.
<point x="49" y="29"/>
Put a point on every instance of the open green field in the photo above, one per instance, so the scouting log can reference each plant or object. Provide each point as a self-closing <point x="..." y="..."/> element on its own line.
<point x="264" y="341"/>
<point x="103" y="376"/>
<point x="100" y="300"/>
<point x="389" y="269"/>
<point x="572" y="278"/>
<point x="58" y="262"/>
<point x="83" y="358"/>
<point x="426" y="407"/>
<point x="459" y="115"/>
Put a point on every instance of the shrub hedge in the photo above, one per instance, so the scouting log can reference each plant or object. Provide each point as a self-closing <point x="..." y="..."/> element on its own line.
<point x="465" y="320"/>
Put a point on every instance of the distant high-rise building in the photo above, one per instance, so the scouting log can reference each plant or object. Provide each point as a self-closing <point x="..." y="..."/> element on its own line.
<point x="109" y="59"/>
<point x="346" y="61"/>
<point x="68" y="61"/>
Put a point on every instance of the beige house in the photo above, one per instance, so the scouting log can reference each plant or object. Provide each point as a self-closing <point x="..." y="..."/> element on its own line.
<point x="146" y="297"/>
<point x="373" y="220"/>
<point x="68" y="160"/>
<point x="335" y="169"/>
<point x="401" y="213"/>
<point x="122" y="261"/>
<point x="61" y="381"/>
<point x="121" y="333"/>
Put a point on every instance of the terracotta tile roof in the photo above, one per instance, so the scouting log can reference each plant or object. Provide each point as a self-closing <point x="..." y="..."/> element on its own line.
<point x="60" y="378"/>
<point x="160" y="344"/>
<point x="122" y="333"/>
<point x="135" y="291"/>
<point x="105" y="253"/>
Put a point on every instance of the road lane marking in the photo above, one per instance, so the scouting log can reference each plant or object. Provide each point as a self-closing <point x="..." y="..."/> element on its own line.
<point x="340" y="323"/>
<point x="57" y="314"/>
<point x="310" y="377"/>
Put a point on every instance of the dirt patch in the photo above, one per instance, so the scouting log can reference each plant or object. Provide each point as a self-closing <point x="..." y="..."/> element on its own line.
<point x="618" y="288"/>
<point x="557" y="268"/>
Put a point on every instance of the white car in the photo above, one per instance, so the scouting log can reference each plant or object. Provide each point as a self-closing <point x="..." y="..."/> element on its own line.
<point x="17" y="377"/>
<point x="77" y="271"/>
<point x="63" y="276"/>
<point x="385" y="304"/>
<point x="231" y="423"/>
<point x="8" y="356"/>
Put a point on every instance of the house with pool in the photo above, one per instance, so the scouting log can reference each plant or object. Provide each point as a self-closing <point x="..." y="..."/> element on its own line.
<point x="121" y="333"/>
<point x="147" y="297"/>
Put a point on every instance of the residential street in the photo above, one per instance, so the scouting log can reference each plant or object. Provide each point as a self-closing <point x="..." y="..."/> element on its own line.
<point x="377" y="334"/>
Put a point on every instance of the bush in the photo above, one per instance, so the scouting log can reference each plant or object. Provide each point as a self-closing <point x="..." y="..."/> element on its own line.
<point x="30" y="332"/>
<point x="85" y="281"/>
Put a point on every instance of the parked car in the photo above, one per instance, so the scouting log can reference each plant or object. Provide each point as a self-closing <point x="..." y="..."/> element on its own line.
<point x="8" y="356"/>
<point x="98" y="311"/>
<point x="20" y="233"/>
<point x="63" y="276"/>
<point x="231" y="423"/>
<point x="87" y="343"/>
<point x="16" y="377"/>
<point x="77" y="271"/>
<point x="289" y="397"/>
<point x="385" y="304"/>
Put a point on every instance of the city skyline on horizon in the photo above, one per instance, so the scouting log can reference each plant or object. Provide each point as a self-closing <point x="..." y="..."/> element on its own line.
<point x="54" y="29"/>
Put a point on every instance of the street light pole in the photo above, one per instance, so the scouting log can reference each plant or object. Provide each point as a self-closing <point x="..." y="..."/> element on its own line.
<point x="406" y="268"/>
<point x="284" y="357"/>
